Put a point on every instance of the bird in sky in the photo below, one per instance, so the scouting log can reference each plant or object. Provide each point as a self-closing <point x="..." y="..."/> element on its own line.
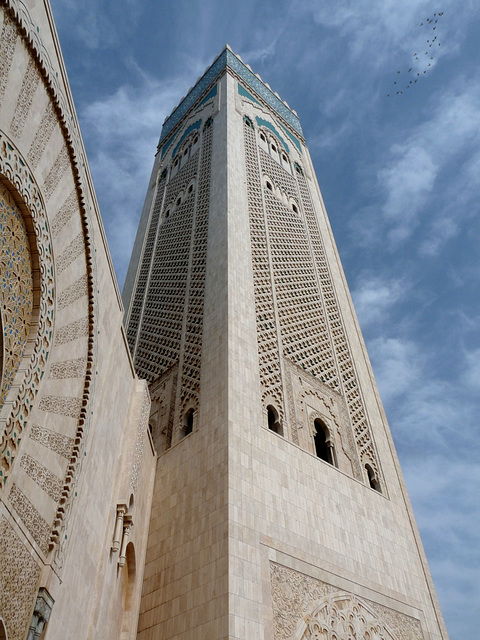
<point x="430" y="42"/>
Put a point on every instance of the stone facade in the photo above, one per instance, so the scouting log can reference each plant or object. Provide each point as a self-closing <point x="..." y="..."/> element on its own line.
<point x="279" y="510"/>
<point x="74" y="439"/>
<point x="236" y="477"/>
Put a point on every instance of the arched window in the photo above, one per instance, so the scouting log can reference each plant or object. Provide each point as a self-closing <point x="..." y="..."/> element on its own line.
<point x="188" y="422"/>
<point x="298" y="169"/>
<point x="323" y="444"/>
<point x="248" y="122"/>
<point x="372" y="478"/>
<point x="208" y="123"/>
<point x="274" y="423"/>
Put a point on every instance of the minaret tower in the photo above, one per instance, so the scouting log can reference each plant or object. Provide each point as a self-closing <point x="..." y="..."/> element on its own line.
<point x="279" y="508"/>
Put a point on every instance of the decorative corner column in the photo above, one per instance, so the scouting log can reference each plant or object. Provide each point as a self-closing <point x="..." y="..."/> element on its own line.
<point x="41" y="614"/>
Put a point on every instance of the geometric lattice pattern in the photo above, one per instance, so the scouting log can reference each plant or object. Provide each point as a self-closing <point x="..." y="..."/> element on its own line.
<point x="16" y="287"/>
<point x="196" y="287"/>
<point x="164" y="276"/>
<point x="349" y="382"/>
<point x="166" y="319"/>
<point x="287" y="247"/>
<point x="304" y="330"/>
<point x="267" y="338"/>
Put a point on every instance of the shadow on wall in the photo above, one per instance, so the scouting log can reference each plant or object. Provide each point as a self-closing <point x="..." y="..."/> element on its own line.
<point x="3" y="631"/>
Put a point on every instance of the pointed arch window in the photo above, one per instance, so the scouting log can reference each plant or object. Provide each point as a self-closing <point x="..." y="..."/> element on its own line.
<point x="323" y="442"/>
<point x="274" y="422"/>
<point x="372" y="478"/>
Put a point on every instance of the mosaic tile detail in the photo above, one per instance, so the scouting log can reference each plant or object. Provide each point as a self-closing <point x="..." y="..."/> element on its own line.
<point x="73" y="292"/>
<point x="46" y="480"/>
<point x="30" y="83"/>
<point x="16" y="287"/>
<point x="227" y="58"/>
<point x="68" y="369"/>
<point x="64" y="406"/>
<point x="244" y="93"/>
<point x="265" y="123"/>
<point x="42" y="135"/>
<point x="37" y="526"/>
<point x="65" y="214"/>
<point x="54" y="441"/>
<point x="7" y="49"/>
<point x="195" y="126"/>
<point x="73" y="331"/>
<point x="211" y="94"/>
<point x="19" y="577"/>
<point x="55" y="174"/>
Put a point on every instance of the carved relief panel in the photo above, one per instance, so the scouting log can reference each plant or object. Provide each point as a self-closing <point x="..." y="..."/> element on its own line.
<point x="306" y="608"/>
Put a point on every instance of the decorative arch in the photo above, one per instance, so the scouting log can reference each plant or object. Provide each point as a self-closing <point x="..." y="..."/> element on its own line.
<point x="15" y="169"/>
<point x="273" y="420"/>
<point x="28" y="260"/>
<point x="341" y="616"/>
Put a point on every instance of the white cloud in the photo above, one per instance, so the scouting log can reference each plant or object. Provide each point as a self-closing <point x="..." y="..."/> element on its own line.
<point x="410" y="177"/>
<point x="408" y="180"/>
<point x="121" y="133"/>
<point x="374" y="298"/>
<point x="471" y="373"/>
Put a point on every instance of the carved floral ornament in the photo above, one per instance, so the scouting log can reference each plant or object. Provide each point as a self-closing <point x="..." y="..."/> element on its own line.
<point x="17" y="179"/>
<point x="341" y="616"/>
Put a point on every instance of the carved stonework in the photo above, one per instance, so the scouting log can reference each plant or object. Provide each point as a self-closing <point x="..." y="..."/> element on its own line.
<point x="65" y="214"/>
<point x="75" y="248"/>
<point x="57" y="442"/>
<point x="17" y="177"/>
<point x="76" y="329"/>
<point x="25" y="99"/>
<point x="73" y="292"/>
<point x="68" y="369"/>
<point x="19" y="575"/>
<point x="37" y="526"/>
<point x="48" y="481"/>
<point x="7" y="49"/>
<point x="42" y="136"/>
<point x="20" y="34"/>
<point x="305" y="608"/>
<point x="62" y="405"/>
<point x="342" y="616"/>
<point x="141" y="433"/>
<point x="16" y="287"/>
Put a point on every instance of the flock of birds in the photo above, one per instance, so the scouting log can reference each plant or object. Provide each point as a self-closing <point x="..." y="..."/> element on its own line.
<point x="420" y="70"/>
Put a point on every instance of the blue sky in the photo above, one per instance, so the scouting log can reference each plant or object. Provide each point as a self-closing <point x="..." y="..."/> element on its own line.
<point x="400" y="178"/>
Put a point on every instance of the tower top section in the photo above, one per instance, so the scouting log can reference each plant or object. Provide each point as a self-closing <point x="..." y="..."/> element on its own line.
<point x="229" y="59"/>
